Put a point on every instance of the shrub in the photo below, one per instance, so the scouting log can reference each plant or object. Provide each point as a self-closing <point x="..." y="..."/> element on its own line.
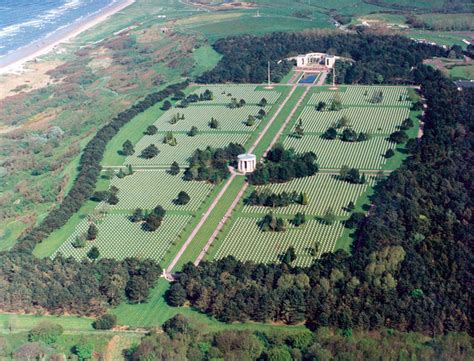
<point x="105" y="322"/>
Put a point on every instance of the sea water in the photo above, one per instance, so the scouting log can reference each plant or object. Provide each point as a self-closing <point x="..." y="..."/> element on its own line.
<point x="25" y="21"/>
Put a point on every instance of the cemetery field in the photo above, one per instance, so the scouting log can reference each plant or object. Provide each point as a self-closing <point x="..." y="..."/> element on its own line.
<point x="151" y="184"/>
<point x="242" y="236"/>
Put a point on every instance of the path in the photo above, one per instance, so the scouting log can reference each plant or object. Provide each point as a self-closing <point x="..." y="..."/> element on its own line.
<point x="322" y="79"/>
<point x="168" y="272"/>
<point x="244" y="187"/>
<point x="221" y="224"/>
<point x="287" y="120"/>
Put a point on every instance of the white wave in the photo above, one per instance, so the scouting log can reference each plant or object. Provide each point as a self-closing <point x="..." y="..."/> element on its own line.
<point x="41" y="20"/>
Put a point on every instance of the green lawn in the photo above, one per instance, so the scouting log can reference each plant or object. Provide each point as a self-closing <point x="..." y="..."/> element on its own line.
<point x="15" y="323"/>
<point x="462" y="72"/>
<point x="205" y="58"/>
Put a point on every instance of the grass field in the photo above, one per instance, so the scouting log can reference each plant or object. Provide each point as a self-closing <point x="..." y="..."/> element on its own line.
<point x="462" y="72"/>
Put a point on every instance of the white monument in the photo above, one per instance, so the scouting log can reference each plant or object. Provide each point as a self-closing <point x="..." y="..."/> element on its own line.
<point x="247" y="163"/>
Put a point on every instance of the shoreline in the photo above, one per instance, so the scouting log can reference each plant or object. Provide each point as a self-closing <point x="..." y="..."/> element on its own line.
<point x="15" y="61"/>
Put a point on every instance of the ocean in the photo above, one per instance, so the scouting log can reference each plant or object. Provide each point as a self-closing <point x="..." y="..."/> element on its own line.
<point x="25" y="21"/>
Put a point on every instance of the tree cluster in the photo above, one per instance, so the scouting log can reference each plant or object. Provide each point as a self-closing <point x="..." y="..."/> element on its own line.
<point x="267" y="198"/>
<point x="211" y="164"/>
<point x="282" y="165"/>
<point x="186" y="340"/>
<point x="377" y="58"/>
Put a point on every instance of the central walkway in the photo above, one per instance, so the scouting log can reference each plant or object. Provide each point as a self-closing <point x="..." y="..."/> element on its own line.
<point x="168" y="272"/>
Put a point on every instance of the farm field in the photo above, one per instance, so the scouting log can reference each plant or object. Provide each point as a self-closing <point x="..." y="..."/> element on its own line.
<point x="243" y="238"/>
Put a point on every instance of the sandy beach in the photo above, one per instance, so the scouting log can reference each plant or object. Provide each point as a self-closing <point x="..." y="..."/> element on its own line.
<point x="13" y="62"/>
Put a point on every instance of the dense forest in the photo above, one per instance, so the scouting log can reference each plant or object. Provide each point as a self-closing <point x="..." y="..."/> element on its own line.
<point x="377" y="59"/>
<point x="183" y="340"/>
<point x="411" y="267"/>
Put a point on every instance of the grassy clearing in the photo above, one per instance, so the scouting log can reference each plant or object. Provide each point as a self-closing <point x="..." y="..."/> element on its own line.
<point x="16" y="323"/>
<point x="462" y="72"/>
<point x="205" y="58"/>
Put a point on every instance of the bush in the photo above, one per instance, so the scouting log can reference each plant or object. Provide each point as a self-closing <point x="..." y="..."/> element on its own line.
<point x="105" y="322"/>
<point x="46" y="332"/>
<point x="150" y="152"/>
<point x="389" y="153"/>
<point x="183" y="198"/>
<point x="151" y="130"/>
<point x="398" y="137"/>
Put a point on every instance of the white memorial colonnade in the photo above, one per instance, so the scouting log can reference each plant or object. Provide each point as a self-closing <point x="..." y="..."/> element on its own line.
<point x="247" y="163"/>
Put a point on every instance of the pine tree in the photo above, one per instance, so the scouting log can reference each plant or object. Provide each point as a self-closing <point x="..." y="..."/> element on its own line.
<point x="92" y="232"/>
<point x="174" y="169"/>
<point x="93" y="253"/>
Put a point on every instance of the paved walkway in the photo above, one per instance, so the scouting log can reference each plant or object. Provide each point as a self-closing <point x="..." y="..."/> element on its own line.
<point x="229" y="211"/>
<point x="168" y="272"/>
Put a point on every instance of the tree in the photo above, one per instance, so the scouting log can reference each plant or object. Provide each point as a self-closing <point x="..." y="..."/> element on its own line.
<point x="149" y="152"/>
<point x="398" y="137"/>
<point x="127" y="148"/>
<point x="193" y="131"/>
<point x="152" y="222"/>
<point x="176" y="295"/>
<point x="336" y="103"/>
<point x="174" y="168"/>
<point x="330" y="133"/>
<point x="343" y="122"/>
<point x="113" y="199"/>
<point x="278" y="354"/>
<point x="105" y="322"/>
<point x="45" y="332"/>
<point x="93" y="253"/>
<point x="351" y="206"/>
<point x="343" y="172"/>
<point x="289" y="256"/>
<point x="170" y="139"/>
<point x="83" y="350"/>
<point x="299" y="219"/>
<point x="407" y="124"/>
<point x="182" y="198"/>
<point x="151" y="130"/>
<point x="321" y="106"/>
<point x="304" y="199"/>
<point x="349" y="135"/>
<point x="261" y="113"/>
<point x="214" y="124"/>
<point x="137" y="215"/>
<point x="92" y="232"/>
<point x="263" y="103"/>
<point x="250" y="121"/>
<point x="137" y="289"/>
<point x="79" y="241"/>
<point x="166" y="105"/>
<point x="362" y="137"/>
<point x="389" y="153"/>
<point x="329" y="216"/>
<point x="299" y="131"/>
